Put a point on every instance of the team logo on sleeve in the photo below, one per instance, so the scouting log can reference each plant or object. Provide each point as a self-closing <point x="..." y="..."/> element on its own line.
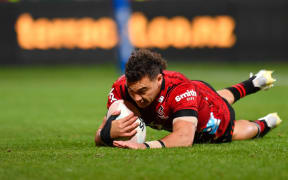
<point x="187" y="94"/>
<point x="111" y="96"/>
<point x="161" y="113"/>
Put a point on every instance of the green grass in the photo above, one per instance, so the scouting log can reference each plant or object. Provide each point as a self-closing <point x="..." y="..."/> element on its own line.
<point x="49" y="115"/>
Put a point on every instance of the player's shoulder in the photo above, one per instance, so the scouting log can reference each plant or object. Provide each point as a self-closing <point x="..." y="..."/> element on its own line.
<point x="184" y="87"/>
<point x="120" y="81"/>
<point x="173" y="78"/>
<point x="183" y="96"/>
<point x="183" y="90"/>
<point x="196" y="85"/>
<point x="117" y="91"/>
<point x="174" y="74"/>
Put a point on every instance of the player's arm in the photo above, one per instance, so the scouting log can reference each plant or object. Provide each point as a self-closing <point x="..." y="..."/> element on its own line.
<point x="182" y="136"/>
<point x="111" y="129"/>
<point x="183" y="132"/>
<point x="98" y="140"/>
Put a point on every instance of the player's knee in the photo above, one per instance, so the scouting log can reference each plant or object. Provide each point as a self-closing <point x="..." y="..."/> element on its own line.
<point x="227" y="95"/>
<point x="252" y="128"/>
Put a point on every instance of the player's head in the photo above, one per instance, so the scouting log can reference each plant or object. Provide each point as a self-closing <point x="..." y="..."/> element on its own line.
<point x="144" y="76"/>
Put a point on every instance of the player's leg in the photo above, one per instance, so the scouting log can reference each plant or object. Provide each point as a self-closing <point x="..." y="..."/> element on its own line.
<point x="262" y="80"/>
<point x="227" y="94"/>
<point x="245" y="129"/>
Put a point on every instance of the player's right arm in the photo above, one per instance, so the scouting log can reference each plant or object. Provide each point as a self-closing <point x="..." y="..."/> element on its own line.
<point x="98" y="140"/>
<point x="124" y="127"/>
<point x="111" y="129"/>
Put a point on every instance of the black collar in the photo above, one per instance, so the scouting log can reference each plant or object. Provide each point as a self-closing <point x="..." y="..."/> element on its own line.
<point x="163" y="82"/>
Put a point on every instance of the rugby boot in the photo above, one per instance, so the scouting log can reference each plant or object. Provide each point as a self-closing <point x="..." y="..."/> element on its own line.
<point x="263" y="79"/>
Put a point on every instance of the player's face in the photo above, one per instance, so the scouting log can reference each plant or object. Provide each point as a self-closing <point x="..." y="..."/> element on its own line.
<point x="144" y="91"/>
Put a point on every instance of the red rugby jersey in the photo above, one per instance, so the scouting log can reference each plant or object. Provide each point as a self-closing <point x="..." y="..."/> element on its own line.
<point x="178" y="97"/>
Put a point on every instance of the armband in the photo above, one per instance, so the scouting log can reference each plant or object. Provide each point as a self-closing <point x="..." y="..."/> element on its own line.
<point x="147" y="145"/>
<point x="105" y="132"/>
<point x="155" y="144"/>
<point x="162" y="143"/>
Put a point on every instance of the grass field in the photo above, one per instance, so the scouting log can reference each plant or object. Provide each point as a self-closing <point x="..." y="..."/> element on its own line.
<point x="48" y="118"/>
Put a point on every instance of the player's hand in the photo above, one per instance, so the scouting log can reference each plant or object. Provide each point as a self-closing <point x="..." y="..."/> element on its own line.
<point x="128" y="144"/>
<point x="124" y="127"/>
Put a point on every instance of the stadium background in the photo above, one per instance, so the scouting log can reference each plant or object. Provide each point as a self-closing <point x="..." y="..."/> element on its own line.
<point x="54" y="82"/>
<point x="260" y="29"/>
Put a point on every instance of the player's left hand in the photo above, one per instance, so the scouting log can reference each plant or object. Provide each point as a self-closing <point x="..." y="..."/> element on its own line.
<point x="128" y="144"/>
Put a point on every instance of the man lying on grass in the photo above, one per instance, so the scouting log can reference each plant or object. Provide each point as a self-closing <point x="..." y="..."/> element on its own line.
<point x="191" y="110"/>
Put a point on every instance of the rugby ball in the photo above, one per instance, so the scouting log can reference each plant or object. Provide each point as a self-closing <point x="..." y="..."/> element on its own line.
<point x="127" y="108"/>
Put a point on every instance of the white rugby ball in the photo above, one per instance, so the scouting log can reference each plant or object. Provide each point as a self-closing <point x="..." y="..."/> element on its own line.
<point x="127" y="108"/>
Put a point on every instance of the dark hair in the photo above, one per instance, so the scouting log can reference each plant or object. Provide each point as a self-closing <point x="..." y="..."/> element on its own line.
<point x="144" y="62"/>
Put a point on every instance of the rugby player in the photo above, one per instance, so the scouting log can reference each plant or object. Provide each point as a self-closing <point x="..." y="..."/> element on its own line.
<point x="191" y="110"/>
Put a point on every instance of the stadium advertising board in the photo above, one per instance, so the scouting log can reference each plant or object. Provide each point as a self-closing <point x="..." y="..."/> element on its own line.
<point x="187" y="30"/>
<point x="160" y="32"/>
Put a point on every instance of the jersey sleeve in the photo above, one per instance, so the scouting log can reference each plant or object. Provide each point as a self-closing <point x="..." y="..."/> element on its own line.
<point x="183" y="101"/>
<point x="115" y="93"/>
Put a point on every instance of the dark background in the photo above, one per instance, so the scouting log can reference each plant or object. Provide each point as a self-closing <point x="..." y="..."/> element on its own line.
<point x="261" y="30"/>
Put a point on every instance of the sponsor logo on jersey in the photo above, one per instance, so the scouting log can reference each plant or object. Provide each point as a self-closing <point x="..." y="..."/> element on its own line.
<point x="111" y="96"/>
<point x="188" y="93"/>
